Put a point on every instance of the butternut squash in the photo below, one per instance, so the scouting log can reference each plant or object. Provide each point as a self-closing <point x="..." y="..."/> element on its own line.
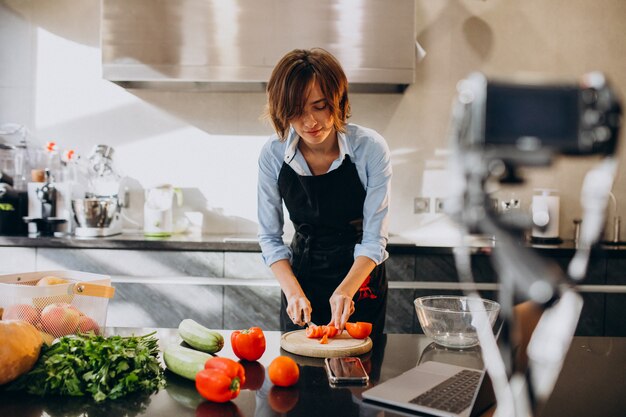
<point x="20" y="344"/>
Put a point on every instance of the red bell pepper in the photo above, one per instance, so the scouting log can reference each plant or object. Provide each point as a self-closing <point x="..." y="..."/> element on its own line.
<point x="232" y="368"/>
<point x="248" y="344"/>
<point x="220" y="380"/>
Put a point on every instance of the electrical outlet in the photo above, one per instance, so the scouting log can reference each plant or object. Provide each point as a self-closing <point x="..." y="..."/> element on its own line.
<point x="421" y="205"/>
<point x="439" y="205"/>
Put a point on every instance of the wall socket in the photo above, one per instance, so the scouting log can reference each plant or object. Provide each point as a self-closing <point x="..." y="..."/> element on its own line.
<point x="439" y="205"/>
<point x="421" y="205"/>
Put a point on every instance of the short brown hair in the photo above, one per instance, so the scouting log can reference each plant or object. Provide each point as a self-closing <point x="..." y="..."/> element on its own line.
<point x="290" y="83"/>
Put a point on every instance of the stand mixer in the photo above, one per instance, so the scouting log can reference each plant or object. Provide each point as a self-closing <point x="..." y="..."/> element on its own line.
<point x="99" y="213"/>
<point x="97" y="217"/>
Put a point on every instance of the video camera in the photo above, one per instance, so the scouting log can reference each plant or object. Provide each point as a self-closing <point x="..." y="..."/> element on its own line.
<point x="526" y="122"/>
<point x="496" y="127"/>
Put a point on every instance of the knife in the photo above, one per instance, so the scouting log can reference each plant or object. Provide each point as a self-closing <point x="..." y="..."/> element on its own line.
<point x="309" y="323"/>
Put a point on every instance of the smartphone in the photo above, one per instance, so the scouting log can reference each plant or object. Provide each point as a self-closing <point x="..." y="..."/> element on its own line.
<point x="346" y="371"/>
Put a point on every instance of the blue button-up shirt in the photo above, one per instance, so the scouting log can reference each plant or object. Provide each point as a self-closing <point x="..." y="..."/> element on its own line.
<point x="367" y="150"/>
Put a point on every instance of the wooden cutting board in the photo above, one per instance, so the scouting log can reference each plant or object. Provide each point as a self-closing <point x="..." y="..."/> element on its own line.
<point x="339" y="346"/>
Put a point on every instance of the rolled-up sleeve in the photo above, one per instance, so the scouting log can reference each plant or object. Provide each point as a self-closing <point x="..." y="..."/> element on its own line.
<point x="376" y="207"/>
<point x="270" y="208"/>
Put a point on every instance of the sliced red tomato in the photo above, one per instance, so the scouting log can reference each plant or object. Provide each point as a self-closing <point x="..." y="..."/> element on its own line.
<point x="317" y="332"/>
<point x="314" y="332"/>
<point x="359" y="330"/>
<point x="330" y="331"/>
<point x="324" y="340"/>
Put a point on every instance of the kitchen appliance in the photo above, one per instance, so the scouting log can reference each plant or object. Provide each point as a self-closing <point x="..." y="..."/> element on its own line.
<point x="49" y="211"/>
<point x="97" y="217"/>
<point x="45" y="198"/>
<point x="13" y="208"/>
<point x="233" y="45"/>
<point x="48" y="208"/>
<point x="13" y="197"/>
<point x="545" y="213"/>
<point x="98" y="213"/>
<point x="158" y="210"/>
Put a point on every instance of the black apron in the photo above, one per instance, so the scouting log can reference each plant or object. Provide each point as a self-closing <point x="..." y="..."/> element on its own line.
<point x="327" y="213"/>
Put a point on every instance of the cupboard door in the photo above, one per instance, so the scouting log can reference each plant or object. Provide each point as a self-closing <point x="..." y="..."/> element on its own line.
<point x="616" y="303"/>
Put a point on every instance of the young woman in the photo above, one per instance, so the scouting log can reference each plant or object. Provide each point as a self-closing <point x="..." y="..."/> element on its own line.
<point x="334" y="179"/>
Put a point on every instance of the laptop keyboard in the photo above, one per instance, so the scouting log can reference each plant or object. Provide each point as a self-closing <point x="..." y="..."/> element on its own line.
<point x="453" y="395"/>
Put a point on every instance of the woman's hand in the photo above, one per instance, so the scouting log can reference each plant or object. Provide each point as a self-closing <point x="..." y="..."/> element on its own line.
<point x="341" y="308"/>
<point x="298" y="306"/>
<point x="299" y="309"/>
<point x="341" y="304"/>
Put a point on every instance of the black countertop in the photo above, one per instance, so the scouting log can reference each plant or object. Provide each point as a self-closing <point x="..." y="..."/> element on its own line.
<point x="591" y="383"/>
<point x="249" y="243"/>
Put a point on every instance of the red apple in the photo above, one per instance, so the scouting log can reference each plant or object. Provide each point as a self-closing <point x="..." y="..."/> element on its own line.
<point x="80" y="313"/>
<point x="24" y="312"/>
<point x="86" y="324"/>
<point x="60" y="319"/>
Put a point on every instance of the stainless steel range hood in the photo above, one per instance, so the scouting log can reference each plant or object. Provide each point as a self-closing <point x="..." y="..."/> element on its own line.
<point x="232" y="45"/>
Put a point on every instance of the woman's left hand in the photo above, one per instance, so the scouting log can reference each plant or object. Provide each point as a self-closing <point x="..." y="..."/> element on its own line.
<point x="341" y="308"/>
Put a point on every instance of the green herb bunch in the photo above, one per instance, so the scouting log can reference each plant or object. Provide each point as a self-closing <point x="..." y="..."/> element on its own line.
<point x="103" y="367"/>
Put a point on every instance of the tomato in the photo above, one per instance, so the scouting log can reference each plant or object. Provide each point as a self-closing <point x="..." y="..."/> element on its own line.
<point x="359" y="330"/>
<point x="230" y="367"/>
<point x="330" y="331"/>
<point x="248" y="344"/>
<point x="283" y="371"/>
<point x="316" y="332"/>
<point x="324" y="340"/>
<point x="215" y="385"/>
<point x="283" y="400"/>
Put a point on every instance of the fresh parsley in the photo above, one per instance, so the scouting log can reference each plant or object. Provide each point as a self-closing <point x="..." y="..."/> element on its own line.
<point x="102" y="367"/>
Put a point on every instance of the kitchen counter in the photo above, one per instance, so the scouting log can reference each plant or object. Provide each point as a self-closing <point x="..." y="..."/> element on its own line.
<point x="249" y="243"/>
<point x="591" y="383"/>
<point x="228" y="269"/>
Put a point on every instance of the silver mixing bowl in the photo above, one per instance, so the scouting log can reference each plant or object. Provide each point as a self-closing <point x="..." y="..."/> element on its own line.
<point x="95" y="212"/>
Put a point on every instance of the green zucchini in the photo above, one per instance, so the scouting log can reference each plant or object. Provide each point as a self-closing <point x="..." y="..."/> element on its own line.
<point x="199" y="337"/>
<point x="184" y="361"/>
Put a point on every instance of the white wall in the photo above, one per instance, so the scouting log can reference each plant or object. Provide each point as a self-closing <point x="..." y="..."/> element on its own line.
<point x="207" y="143"/>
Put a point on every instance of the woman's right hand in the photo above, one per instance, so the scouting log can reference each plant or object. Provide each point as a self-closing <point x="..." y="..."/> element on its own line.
<point x="299" y="309"/>
<point x="298" y="306"/>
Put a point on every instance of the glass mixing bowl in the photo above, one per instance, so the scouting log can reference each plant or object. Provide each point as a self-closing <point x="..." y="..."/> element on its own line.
<point x="447" y="319"/>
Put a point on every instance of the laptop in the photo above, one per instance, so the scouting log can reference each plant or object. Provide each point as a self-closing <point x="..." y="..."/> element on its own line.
<point x="435" y="389"/>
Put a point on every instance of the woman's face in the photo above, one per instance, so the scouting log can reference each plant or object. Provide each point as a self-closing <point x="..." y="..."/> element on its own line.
<point x="315" y="125"/>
